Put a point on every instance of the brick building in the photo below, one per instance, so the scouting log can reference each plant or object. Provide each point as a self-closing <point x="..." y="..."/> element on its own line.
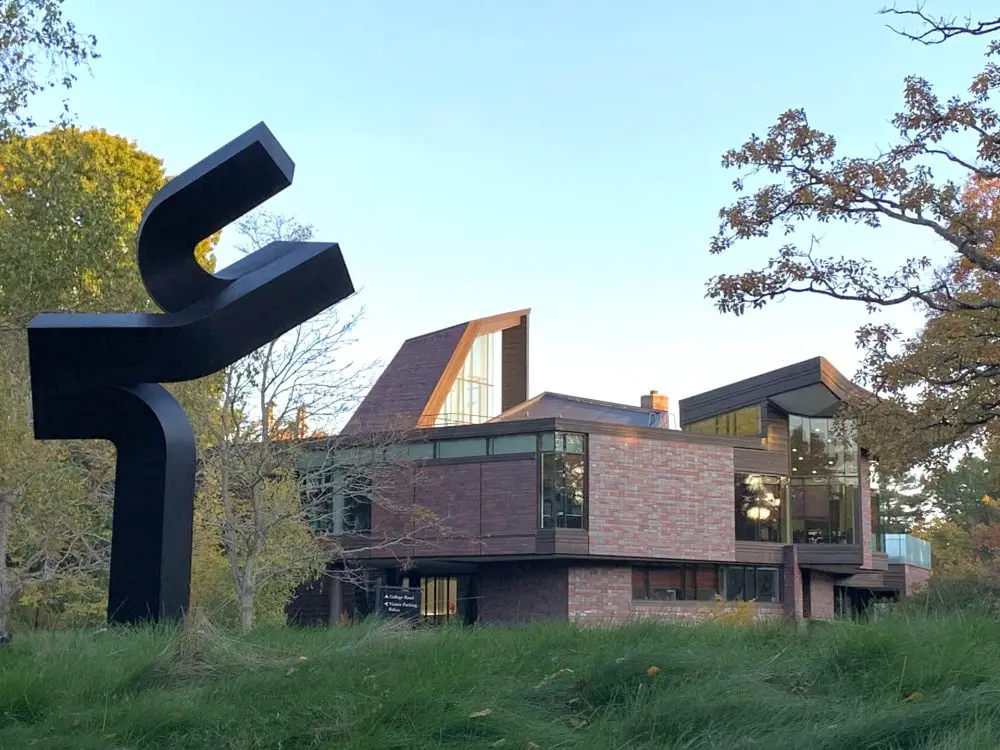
<point x="570" y="508"/>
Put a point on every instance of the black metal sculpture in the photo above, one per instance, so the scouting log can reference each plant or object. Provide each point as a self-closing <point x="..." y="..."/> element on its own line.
<point x="96" y="376"/>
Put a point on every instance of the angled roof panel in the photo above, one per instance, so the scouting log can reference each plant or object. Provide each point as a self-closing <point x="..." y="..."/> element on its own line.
<point x="412" y="388"/>
<point x="813" y="387"/>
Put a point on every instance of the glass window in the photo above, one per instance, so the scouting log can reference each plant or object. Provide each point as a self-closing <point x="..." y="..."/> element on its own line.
<point x="471" y="399"/>
<point x="759" y="502"/>
<point x="823" y="491"/>
<point x="564" y="480"/>
<point x="746" y="582"/>
<point x="505" y="444"/>
<point x="461" y="448"/>
<point x="768" y="585"/>
<point x="563" y="490"/>
<point x="421" y="450"/>
<point x="338" y="501"/>
<point x="683" y="582"/>
<point x="439" y="597"/>
<point x="745" y="422"/>
<point x="572" y="442"/>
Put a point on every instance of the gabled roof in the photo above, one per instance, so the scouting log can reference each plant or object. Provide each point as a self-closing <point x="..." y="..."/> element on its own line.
<point x="411" y="390"/>
<point x="813" y="387"/>
<point x="559" y="405"/>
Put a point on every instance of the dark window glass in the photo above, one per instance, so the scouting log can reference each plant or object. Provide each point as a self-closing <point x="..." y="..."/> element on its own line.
<point x="745" y="422"/>
<point x="759" y="503"/>
<point x="768" y="585"/>
<point x="338" y="501"/>
<point x="746" y="582"/>
<point x="564" y="483"/>
<point x="676" y="583"/>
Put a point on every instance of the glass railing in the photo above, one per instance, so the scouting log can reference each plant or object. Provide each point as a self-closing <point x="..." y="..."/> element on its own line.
<point x="908" y="550"/>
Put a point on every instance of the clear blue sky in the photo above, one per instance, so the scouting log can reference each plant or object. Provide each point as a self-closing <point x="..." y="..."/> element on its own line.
<point x="477" y="157"/>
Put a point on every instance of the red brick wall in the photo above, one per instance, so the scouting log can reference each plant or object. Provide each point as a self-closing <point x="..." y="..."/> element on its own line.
<point x="600" y="594"/>
<point x="863" y="530"/>
<point x="914" y="579"/>
<point x="517" y="592"/>
<point x="482" y="507"/>
<point x="821" y="596"/>
<point x="658" y="498"/>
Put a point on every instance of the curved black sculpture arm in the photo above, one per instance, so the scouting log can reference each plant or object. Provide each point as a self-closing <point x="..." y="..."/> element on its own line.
<point x="198" y="203"/>
<point x="95" y="376"/>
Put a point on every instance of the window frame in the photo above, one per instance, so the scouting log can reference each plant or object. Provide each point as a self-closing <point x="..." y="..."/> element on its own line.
<point x="559" y="439"/>
<point x="725" y="424"/>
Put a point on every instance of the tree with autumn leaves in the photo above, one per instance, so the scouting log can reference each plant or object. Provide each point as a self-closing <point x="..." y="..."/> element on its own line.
<point x="934" y="394"/>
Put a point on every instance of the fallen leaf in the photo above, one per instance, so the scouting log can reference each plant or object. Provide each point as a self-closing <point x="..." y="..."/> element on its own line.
<point x="499" y="743"/>
<point x="652" y="670"/>
<point x="576" y="722"/>
<point x="291" y="671"/>
<point x="301" y="658"/>
<point x="531" y="746"/>
<point x="914" y="696"/>
<point x="479" y="714"/>
<point x="554" y="676"/>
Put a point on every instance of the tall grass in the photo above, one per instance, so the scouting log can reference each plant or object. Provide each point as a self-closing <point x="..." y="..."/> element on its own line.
<point x="913" y="680"/>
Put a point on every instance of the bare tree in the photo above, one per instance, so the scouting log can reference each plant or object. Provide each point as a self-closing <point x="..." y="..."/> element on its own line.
<point x="279" y="497"/>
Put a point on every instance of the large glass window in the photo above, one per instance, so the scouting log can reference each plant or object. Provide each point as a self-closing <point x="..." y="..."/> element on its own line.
<point x="745" y="422"/>
<point x="759" y="501"/>
<point x="472" y="399"/>
<point x="676" y="583"/>
<point x="338" y="500"/>
<point x="564" y="481"/>
<point x="823" y="486"/>
<point x="746" y="582"/>
<point x="690" y="582"/>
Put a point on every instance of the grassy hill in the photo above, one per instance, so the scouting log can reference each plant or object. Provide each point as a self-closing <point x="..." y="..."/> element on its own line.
<point x="921" y="681"/>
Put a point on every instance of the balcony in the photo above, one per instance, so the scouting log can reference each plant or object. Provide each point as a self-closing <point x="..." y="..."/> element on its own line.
<point x="904" y="549"/>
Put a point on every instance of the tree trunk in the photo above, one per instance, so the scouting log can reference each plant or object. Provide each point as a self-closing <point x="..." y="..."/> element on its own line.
<point x="7" y="500"/>
<point x="245" y="595"/>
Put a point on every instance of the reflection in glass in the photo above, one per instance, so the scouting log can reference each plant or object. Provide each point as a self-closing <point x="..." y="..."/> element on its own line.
<point x="759" y="516"/>
<point x="823" y="487"/>
<point x="564" y="481"/>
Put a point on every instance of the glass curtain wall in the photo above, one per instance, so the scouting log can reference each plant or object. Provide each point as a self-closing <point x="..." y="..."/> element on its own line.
<point x="824" y="481"/>
<point x="472" y="398"/>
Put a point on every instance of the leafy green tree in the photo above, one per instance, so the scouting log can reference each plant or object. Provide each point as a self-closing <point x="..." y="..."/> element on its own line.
<point x="935" y="391"/>
<point x="903" y="505"/>
<point x="40" y="49"/>
<point x="952" y="550"/>
<point x="70" y="205"/>
<point x="965" y="494"/>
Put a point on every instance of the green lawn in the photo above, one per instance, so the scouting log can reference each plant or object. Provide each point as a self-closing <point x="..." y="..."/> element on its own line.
<point x="905" y="682"/>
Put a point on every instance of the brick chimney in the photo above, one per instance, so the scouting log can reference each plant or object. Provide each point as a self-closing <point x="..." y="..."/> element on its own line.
<point x="269" y="424"/>
<point x="300" y="422"/>
<point x="655" y="401"/>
